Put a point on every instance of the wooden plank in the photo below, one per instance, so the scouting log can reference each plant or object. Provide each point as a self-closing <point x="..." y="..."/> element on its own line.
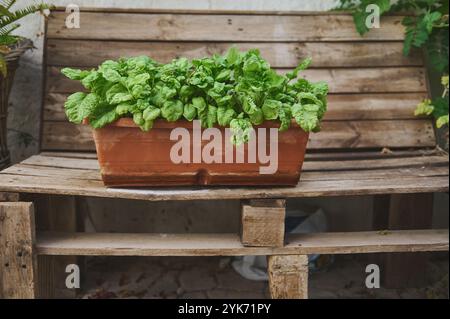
<point x="17" y="258"/>
<point x="94" y="188"/>
<point x="56" y="213"/>
<point x="334" y="135"/>
<point x="373" y="134"/>
<point x="9" y="197"/>
<point x="204" y="27"/>
<point x="208" y="10"/>
<point x="428" y="170"/>
<point x="357" y="80"/>
<point x="412" y="211"/>
<point x="146" y="244"/>
<point x="262" y="224"/>
<point x="288" y="276"/>
<point x="344" y="107"/>
<point x="82" y="53"/>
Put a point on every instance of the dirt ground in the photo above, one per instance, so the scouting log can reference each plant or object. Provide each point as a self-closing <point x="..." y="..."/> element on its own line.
<point x="214" y="277"/>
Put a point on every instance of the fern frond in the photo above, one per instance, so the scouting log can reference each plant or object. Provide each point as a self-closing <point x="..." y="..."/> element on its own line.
<point x="7" y="29"/>
<point x="7" y="3"/>
<point x="20" y="13"/>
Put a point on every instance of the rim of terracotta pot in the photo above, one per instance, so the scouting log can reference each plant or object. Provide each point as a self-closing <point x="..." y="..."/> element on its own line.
<point x="160" y="123"/>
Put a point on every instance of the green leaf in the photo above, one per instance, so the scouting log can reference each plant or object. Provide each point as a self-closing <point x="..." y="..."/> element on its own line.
<point x="241" y="131"/>
<point x="306" y="116"/>
<point x="189" y="112"/>
<point x="224" y="116"/>
<point x="424" y="108"/>
<point x="74" y="110"/>
<point x="172" y="110"/>
<point x="151" y="113"/>
<point x="75" y="74"/>
<point x="270" y="109"/>
<point x="103" y="115"/>
<point x="441" y="121"/>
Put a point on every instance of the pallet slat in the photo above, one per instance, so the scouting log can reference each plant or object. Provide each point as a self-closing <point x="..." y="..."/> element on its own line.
<point x="312" y="171"/>
<point x="316" y="188"/>
<point x="358" y="80"/>
<point x="204" y="27"/>
<point x="114" y="244"/>
<point x="334" y="135"/>
<point x="82" y="53"/>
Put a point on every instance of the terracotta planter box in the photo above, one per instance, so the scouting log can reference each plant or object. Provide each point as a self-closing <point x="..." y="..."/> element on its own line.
<point x="131" y="157"/>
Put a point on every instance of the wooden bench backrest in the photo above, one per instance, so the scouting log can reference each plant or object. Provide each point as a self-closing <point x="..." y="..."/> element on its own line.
<point x="373" y="87"/>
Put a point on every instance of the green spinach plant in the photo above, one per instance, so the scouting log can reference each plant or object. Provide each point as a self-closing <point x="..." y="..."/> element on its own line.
<point x="425" y="28"/>
<point x="236" y="90"/>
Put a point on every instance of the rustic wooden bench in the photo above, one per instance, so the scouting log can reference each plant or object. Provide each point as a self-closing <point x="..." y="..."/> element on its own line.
<point x="371" y="144"/>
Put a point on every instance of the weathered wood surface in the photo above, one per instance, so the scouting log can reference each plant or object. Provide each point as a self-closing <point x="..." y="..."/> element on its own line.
<point x="17" y="257"/>
<point x="334" y="135"/>
<point x="205" y="27"/>
<point x="146" y="244"/>
<point x="55" y="213"/>
<point x="381" y="174"/>
<point x="262" y="223"/>
<point x="407" y="211"/>
<point x="288" y="276"/>
<point x="82" y="53"/>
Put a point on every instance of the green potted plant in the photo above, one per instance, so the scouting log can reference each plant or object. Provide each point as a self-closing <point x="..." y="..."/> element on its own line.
<point x="11" y="49"/>
<point x="144" y="116"/>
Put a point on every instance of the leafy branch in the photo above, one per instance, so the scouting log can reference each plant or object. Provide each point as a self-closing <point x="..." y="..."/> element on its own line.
<point x="427" y="29"/>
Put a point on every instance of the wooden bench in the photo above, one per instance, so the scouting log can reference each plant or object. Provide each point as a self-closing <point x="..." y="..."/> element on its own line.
<point x="371" y="144"/>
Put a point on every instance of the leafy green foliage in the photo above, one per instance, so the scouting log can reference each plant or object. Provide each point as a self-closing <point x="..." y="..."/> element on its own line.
<point x="427" y="28"/>
<point x="438" y="107"/>
<point x="238" y="90"/>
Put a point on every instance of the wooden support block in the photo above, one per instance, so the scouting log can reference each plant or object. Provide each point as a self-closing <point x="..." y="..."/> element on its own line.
<point x="56" y="213"/>
<point x="403" y="212"/>
<point x="262" y="223"/>
<point x="9" y="197"/>
<point x="288" y="276"/>
<point x="17" y="258"/>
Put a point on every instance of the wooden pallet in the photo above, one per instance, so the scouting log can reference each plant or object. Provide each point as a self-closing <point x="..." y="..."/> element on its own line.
<point x="55" y="182"/>
<point x="374" y="90"/>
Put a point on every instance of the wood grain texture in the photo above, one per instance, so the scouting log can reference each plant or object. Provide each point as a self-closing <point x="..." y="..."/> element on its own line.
<point x="262" y="225"/>
<point x="145" y="244"/>
<point x="334" y="135"/>
<point x="340" y="80"/>
<point x="288" y="276"/>
<point x="413" y="211"/>
<point x="83" y="53"/>
<point x="17" y="258"/>
<point x="343" y="107"/>
<point x="55" y="213"/>
<point x="204" y="27"/>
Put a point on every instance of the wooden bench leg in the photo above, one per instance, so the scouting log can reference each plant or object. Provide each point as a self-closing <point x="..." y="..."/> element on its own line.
<point x="402" y="212"/>
<point x="262" y="223"/>
<point x="17" y="258"/>
<point x="56" y="213"/>
<point x="288" y="276"/>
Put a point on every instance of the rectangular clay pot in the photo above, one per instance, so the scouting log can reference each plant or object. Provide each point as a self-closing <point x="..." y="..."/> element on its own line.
<point x="130" y="157"/>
